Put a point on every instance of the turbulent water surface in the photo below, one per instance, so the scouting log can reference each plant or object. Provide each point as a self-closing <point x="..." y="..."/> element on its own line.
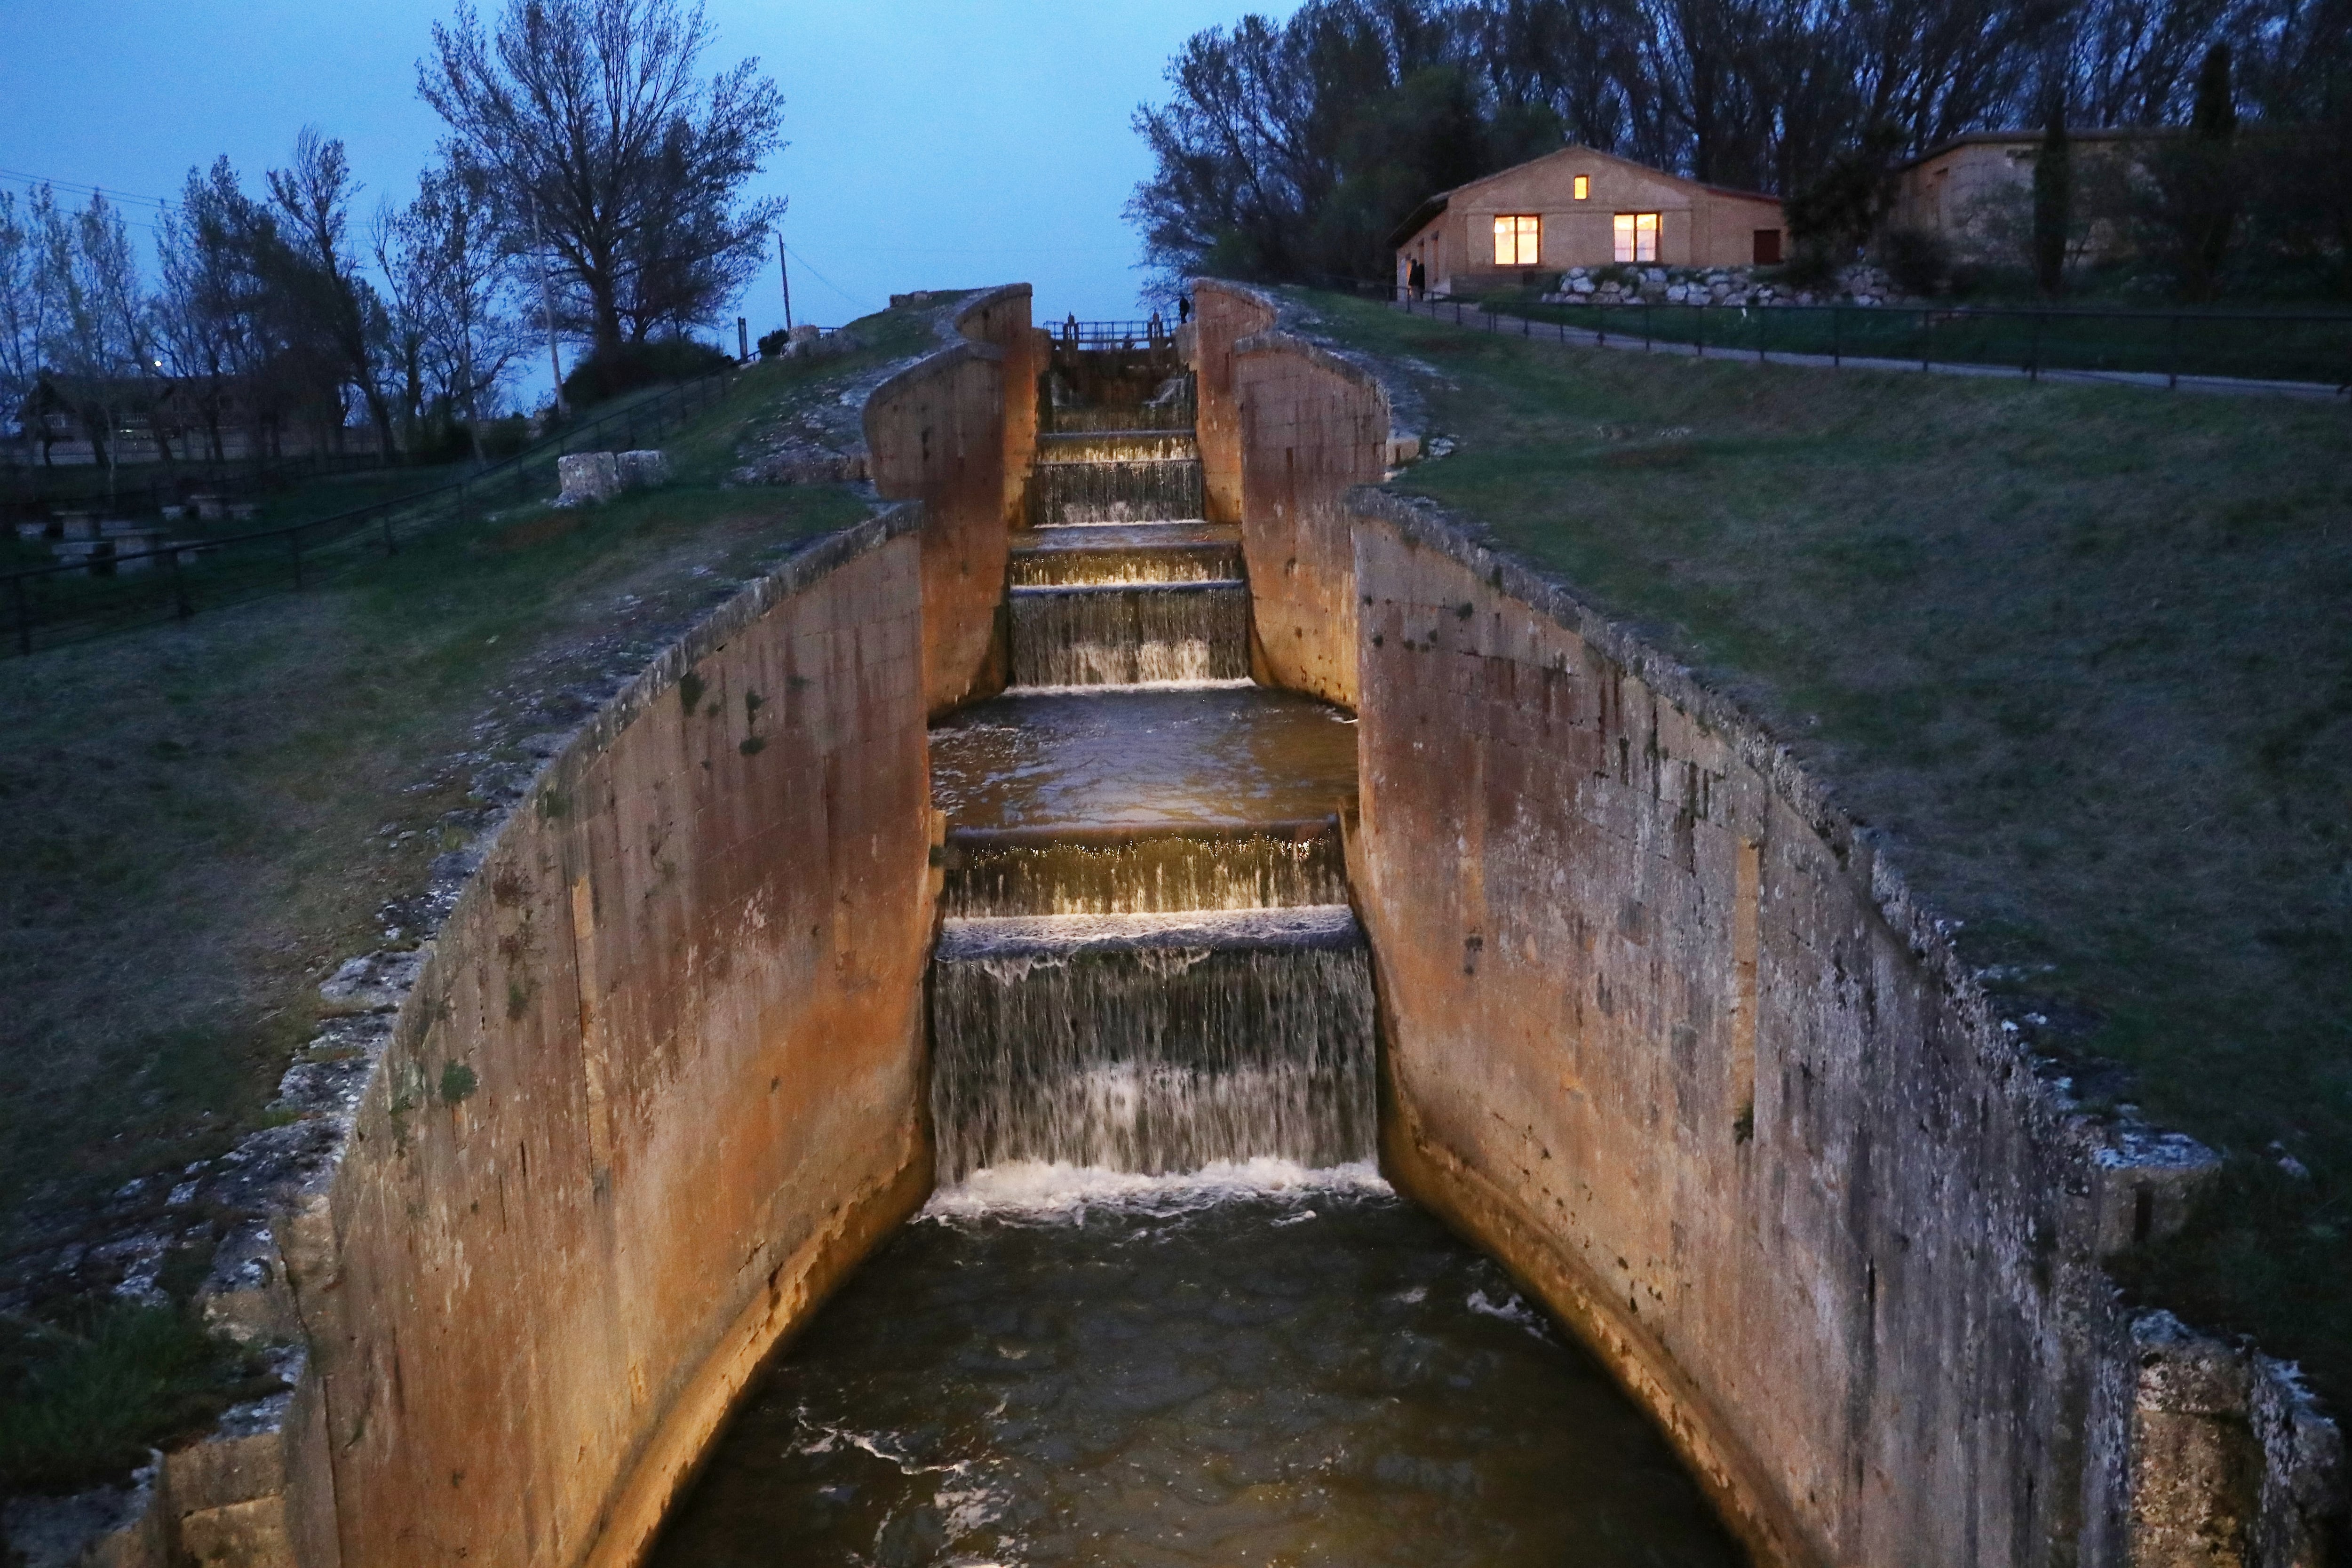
<point x="1259" y="1364"/>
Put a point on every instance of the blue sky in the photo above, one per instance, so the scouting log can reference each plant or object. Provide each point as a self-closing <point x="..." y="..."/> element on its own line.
<point x="934" y="143"/>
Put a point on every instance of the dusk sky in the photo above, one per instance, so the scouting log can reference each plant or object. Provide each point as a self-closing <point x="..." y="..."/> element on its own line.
<point x="933" y="142"/>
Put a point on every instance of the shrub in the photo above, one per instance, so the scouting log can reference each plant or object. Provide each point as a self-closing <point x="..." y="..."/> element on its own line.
<point x="1917" y="261"/>
<point x="772" y="345"/>
<point x="505" y="437"/>
<point x="1810" y="266"/>
<point x="609" y="373"/>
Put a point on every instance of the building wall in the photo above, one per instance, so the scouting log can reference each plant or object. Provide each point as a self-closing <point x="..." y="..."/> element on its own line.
<point x="657" y="1089"/>
<point x="1698" y="226"/>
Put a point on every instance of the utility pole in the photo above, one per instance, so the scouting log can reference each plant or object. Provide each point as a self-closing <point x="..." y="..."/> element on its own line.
<point x="547" y="308"/>
<point x="785" y="271"/>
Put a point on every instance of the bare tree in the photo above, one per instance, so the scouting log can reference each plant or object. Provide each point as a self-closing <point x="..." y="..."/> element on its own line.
<point x="27" y="303"/>
<point x="318" y="276"/>
<point x="450" y="281"/>
<point x="608" y="156"/>
<point x="97" y="346"/>
<point x="212" y="309"/>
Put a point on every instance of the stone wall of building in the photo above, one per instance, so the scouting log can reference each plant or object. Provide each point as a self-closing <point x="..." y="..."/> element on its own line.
<point x="656" y="1089"/>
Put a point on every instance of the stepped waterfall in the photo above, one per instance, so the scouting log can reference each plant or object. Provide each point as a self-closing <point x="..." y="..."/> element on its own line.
<point x="1129" y="978"/>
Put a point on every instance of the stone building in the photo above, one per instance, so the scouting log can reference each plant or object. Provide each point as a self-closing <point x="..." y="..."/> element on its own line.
<point x="1977" y="192"/>
<point x="1576" y="207"/>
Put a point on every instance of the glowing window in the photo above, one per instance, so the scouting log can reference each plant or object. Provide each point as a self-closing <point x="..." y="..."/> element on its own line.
<point x="1583" y="187"/>
<point x="1637" y="237"/>
<point x="1518" y="240"/>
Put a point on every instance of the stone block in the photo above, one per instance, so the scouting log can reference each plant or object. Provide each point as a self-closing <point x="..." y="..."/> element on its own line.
<point x="587" y="478"/>
<point x="643" y="471"/>
<point x="248" y="1534"/>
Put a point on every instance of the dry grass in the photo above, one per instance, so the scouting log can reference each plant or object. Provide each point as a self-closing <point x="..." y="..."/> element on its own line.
<point x="2084" y="653"/>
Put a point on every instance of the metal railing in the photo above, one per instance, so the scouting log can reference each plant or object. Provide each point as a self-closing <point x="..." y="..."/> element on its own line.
<point x="49" y="605"/>
<point x="30" y="489"/>
<point x="1115" y="334"/>
<point x="2298" y="352"/>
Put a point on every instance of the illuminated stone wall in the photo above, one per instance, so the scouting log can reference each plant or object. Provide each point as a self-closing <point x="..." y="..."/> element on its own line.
<point x="955" y="432"/>
<point x="1664" y="1033"/>
<point x="1308" y="425"/>
<point x="657" y="1089"/>
<point x="1222" y="315"/>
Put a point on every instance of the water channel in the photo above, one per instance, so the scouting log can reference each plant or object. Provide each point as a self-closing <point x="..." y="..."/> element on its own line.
<point x="1162" y="1309"/>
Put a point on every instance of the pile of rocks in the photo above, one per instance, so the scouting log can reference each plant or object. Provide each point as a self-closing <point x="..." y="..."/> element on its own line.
<point x="1740" y="286"/>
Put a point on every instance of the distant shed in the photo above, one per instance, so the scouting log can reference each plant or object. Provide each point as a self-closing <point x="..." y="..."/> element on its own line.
<point x="1576" y="207"/>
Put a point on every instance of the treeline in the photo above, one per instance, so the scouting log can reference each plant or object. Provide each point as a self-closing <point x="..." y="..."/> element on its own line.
<point x="590" y="184"/>
<point x="1290" y="150"/>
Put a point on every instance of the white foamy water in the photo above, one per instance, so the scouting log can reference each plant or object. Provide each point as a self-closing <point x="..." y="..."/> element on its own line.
<point x="1128" y="688"/>
<point x="1055" y="1192"/>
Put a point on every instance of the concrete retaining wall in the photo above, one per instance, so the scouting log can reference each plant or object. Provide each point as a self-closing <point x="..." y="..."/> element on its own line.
<point x="656" y="1090"/>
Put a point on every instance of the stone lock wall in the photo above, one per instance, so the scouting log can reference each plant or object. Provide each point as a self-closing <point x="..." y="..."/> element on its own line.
<point x="656" y="1090"/>
<point x="956" y="432"/>
<point x="1662" y="1032"/>
<point x="1302" y="426"/>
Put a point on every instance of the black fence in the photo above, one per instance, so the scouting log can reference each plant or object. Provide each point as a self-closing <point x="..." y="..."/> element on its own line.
<point x="2158" y="348"/>
<point x="31" y="490"/>
<point x="1152" y="334"/>
<point x="114" y="590"/>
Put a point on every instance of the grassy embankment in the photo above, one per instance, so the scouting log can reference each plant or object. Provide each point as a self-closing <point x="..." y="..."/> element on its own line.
<point x="204" y="818"/>
<point x="2084" y="653"/>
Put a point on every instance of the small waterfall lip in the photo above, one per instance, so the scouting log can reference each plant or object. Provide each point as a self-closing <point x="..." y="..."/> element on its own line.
<point x="1054" y="1191"/>
<point x="1082" y="533"/>
<point x="1291" y="928"/>
<point x="1302" y="829"/>
<point x="1119" y="689"/>
<point x="1171" y="586"/>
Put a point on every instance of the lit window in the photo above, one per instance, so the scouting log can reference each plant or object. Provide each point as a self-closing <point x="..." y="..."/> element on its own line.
<point x="1518" y="240"/>
<point x="1583" y="187"/>
<point x="1637" y="237"/>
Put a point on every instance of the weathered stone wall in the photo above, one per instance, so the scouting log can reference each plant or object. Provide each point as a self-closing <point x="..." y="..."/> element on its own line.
<point x="1308" y="425"/>
<point x="1000" y="318"/>
<point x="1662" y="1032"/>
<point x="942" y="431"/>
<point x="1222" y="315"/>
<point x="656" y="1090"/>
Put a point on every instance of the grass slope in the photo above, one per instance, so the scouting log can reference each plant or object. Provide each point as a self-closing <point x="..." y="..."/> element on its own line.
<point x="2085" y="654"/>
<point x="204" y="818"/>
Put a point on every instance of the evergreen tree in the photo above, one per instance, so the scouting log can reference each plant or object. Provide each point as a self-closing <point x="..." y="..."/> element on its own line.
<point x="2054" y="201"/>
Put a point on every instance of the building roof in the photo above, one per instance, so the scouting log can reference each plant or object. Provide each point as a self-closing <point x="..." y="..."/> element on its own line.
<point x="1421" y="215"/>
<point x="2031" y="137"/>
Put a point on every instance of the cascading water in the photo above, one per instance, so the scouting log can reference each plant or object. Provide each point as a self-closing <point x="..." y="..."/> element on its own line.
<point x="1152" y="1043"/>
<point x="1162" y="1309"/>
<point x="1128" y="634"/>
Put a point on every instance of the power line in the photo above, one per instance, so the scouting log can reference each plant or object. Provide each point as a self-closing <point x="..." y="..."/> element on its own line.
<point x="77" y="188"/>
<point x="828" y="282"/>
